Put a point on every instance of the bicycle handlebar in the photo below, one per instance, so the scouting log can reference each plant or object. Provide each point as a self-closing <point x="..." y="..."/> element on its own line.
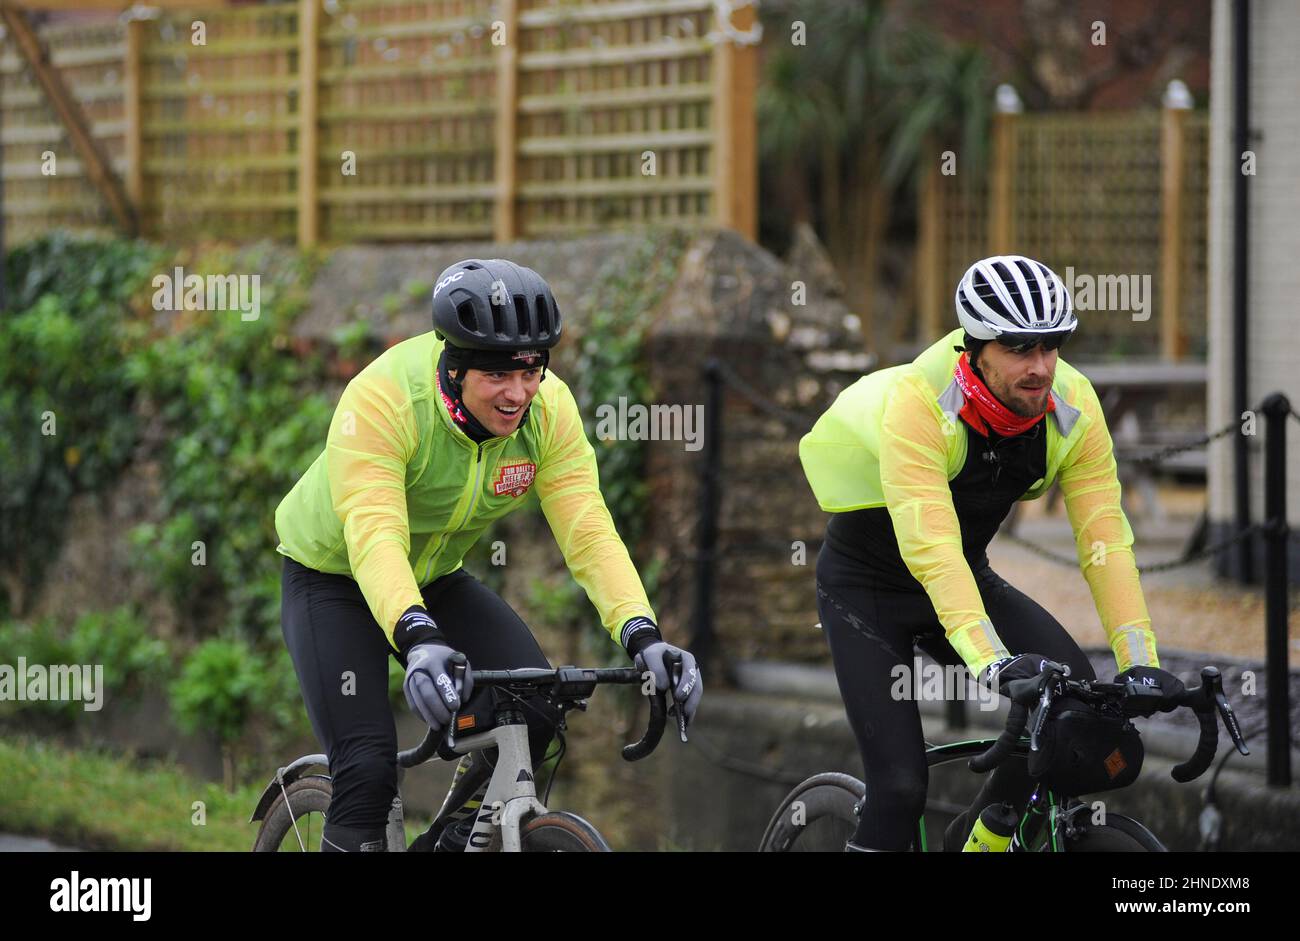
<point x="564" y="683"/>
<point x="1133" y="699"/>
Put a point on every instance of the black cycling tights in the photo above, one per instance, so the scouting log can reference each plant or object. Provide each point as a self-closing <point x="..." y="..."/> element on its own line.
<point x="341" y="657"/>
<point x="870" y="632"/>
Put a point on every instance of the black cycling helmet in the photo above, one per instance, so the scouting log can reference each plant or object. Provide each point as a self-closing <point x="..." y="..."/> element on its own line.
<point x="495" y="305"/>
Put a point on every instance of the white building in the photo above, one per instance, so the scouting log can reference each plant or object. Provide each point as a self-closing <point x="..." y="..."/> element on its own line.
<point x="1273" y="230"/>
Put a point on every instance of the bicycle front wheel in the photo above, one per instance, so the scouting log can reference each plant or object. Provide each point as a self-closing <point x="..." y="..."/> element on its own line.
<point x="816" y="817"/>
<point x="294" y="821"/>
<point x="1119" y="834"/>
<point x="560" y="832"/>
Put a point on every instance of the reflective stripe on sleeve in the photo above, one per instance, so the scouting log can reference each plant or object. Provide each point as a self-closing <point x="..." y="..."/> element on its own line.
<point x="978" y="644"/>
<point x="1134" y="646"/>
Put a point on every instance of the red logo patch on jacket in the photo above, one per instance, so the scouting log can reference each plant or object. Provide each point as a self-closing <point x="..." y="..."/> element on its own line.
<point x="515" y="479"/>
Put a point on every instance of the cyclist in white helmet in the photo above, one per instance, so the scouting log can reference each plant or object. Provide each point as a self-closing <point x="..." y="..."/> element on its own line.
<point x="919" y="464"/>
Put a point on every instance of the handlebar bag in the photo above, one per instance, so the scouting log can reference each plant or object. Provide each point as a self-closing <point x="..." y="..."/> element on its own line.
<point x="1082" y="751"/>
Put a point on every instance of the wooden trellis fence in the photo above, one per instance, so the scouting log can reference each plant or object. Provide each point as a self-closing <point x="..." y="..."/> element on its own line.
<point x="340" y="120"/>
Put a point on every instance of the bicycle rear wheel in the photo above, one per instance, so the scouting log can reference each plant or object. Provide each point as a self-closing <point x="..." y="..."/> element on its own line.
<point x="560" y="832"/>
<point x="817" y="816"/>
<point x="294" y="826"/>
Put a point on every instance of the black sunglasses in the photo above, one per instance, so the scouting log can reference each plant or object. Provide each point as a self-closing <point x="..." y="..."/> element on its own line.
<point x="1024" y="342"/>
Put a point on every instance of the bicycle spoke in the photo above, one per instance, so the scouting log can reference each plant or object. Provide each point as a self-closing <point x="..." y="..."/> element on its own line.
<point x="292" y="819"/>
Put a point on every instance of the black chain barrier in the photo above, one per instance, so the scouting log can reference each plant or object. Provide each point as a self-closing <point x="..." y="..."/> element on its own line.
<point x="1155" y="458"/>
<point x="756" y="399"/>
<point x="1185" y="559"/>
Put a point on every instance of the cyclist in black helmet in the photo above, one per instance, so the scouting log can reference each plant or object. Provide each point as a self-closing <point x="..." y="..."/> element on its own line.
<point x="433" y="441"/>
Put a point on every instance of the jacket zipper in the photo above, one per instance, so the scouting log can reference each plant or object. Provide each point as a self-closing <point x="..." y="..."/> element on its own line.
<point x="454" y="527"/>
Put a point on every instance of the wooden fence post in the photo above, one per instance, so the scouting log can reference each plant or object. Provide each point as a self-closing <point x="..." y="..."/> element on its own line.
<point x="132" y="103"/>
<point x="308" y="125"/>
<point x="735" y="126"/>
<point x="1001" y="192"/>
<point x="929" y="247"/>
<point x="506" y="224"/>
<point x="1177" y="102"/>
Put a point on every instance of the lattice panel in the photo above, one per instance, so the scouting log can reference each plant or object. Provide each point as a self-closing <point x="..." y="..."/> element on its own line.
<point x="1086" y="193"/>
<point x="410" y="89"/>
<point x="89" y="57"/>
<point x="218" y="124"/>
<point x="608" y="92"/>
<point x="612" y="101"/>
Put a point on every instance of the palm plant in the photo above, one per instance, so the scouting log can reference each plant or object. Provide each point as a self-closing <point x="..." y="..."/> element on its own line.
<point x="945" y="101"/>
<point x="855" y="112"/>
<point x="796" y="110"/>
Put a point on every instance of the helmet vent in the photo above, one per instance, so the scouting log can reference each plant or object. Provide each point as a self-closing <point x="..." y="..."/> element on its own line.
<point x="521" y="315"/>
<point x="498" y="320"/>
<point x="543" y="317"/>
<point x="465" y="314"/>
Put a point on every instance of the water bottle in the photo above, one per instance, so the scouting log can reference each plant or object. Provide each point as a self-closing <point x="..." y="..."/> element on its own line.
<point x="993" y="829"/>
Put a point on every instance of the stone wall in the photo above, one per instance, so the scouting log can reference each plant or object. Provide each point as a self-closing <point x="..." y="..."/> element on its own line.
<point x="785" y="363"/>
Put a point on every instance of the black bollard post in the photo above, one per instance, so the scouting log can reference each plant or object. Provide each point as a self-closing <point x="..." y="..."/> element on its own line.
<point x="1276" y="408"/>
<point x="1275" y="537"/>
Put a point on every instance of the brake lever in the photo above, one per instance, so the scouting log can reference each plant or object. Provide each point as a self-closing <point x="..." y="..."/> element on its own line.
<point x="675" y="677"/>
<point x="1039" y="717"/>
<point x="458" y="666"/>
<point x="1212" y="680"/>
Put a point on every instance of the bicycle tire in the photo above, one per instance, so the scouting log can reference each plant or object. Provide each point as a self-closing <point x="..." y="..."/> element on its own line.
<point x="560" y="832"/>
<point x="307" y="795"/>
<point x="823" y="822"/>
<point x="1119" y="834"/>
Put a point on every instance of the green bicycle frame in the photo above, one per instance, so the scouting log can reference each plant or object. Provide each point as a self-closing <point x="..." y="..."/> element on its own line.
<point x="1042" y="799"/>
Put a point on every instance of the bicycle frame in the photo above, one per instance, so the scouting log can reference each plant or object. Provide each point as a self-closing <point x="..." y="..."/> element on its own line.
<point x="1043" y="802"/>
<point x="511" y="792"/>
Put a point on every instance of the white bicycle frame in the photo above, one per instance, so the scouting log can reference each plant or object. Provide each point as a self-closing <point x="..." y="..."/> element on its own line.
<point x="511" y="792"/>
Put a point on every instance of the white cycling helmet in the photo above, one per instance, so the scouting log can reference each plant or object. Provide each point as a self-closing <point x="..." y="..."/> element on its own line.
<point x="1008" y="296"/>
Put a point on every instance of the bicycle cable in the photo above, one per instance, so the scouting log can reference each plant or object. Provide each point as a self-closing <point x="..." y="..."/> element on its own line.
<point x="559" y="734"/>
<point x="555" y="771"/>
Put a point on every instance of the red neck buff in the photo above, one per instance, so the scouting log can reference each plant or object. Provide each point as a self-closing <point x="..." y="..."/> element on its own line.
<point x="983" y="411"/>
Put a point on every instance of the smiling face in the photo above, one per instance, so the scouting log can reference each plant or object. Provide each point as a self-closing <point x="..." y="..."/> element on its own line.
<point x="1021" y="381"/>
<point x="498" y="399"/>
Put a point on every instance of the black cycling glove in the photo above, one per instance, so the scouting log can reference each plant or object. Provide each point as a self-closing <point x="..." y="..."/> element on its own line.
<point x="1170" y="686"/>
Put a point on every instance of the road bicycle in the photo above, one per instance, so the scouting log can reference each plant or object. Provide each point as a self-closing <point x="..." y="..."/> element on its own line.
<point x="821" y="813"/>
<point x="510" y="818"/>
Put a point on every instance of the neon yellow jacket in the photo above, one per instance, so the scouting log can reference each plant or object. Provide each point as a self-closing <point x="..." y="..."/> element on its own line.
<point x="400" y="493"/>
<point x="893" y="439"/>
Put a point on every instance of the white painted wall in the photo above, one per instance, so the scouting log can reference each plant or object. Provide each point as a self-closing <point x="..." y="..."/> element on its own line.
<point x="1274" y="285"/>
